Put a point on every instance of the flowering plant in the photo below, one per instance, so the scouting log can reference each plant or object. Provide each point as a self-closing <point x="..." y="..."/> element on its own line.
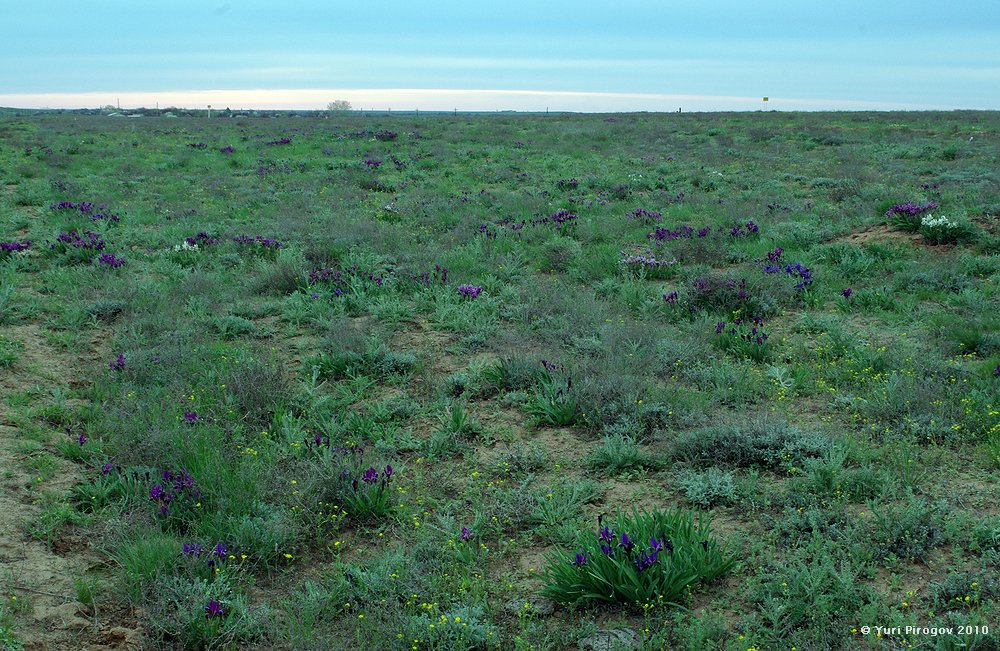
<point x="941" y="230"/>
<point x="641" y="559"/>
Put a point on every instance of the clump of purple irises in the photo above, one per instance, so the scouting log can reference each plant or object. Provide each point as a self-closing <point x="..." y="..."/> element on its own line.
<point x="910" y="209"/>
<point x="664" y="234"/>
<point x="745" y="230"/>
<point x="88" y="208"/>
<point x="439" y="275"/>
<point x="201" y="238"/>
<point x="110" y="260"/>
<point x="470" y="291"/>
<point x="258" y="240"/>
<point x="750" y="330"/>
<point x="646" y="216"/>
<point x="175" y="495"/>
<point x="14" y="247"/>
<point x="615" y="545"/>
<point x="89" y="240"/>
<point x="559" y="218"/>
<point x="797" y="269"/>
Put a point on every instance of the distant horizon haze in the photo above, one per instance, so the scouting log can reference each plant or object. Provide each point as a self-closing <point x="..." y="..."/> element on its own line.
<point x="429" y="99"/>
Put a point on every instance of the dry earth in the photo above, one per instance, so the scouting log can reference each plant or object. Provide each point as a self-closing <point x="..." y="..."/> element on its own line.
<point x="37" y="575"/>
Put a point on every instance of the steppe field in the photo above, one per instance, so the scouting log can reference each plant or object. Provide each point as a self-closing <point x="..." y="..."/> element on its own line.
<point x="389" y="382"/>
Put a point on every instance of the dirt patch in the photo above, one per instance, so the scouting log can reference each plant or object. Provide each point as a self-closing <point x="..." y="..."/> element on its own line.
<point x="41" y="574"/>
<point x="884" y="233"/>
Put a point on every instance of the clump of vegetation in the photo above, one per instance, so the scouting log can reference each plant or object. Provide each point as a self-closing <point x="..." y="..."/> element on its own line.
<point x="638" y="560"/>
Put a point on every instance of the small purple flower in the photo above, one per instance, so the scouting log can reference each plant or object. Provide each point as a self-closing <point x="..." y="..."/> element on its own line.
<point x="387" y="473"/>
<point x="606" y="534"/>
<point x="314" y="296"/>
<point x="752" y="227"/>
<point x="996" y="371"/>
<point x="370" y="476"/>
<point x="608" y="551"/>
<point x="106" y="469"/>
<point x="214" y="609"/>
<point x="644" y="561"/>
<point x="671" y="298"/>
<point x="220" y="550"/>
<point x="626" y="543"/>
<point x="192" y="549"/>
<point x="82" y="438"/>
<point x="228" y="149"/>
<point x="118" y="364"/>
<point x="719" y="327"/>
<point x="846" y="293"/>
<point x="466" y="534"/>
<point x="156" y="492"/>
<point x="702" y="232"/>
<point x="655" y="544"/>
<point x="191" y="417"/>
<point x="470" y="291"/>
<point x="581" y="559"/>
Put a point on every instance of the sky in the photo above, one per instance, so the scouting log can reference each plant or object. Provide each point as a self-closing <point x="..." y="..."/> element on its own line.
<point x="627" y="55"/>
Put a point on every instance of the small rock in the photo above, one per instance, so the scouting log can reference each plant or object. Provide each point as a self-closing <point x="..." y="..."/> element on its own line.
<point x="616" y="639"/>
<point x="535" y="605"/>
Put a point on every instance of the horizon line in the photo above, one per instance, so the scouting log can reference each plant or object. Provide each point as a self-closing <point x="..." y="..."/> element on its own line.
<point x="445" y="99"/>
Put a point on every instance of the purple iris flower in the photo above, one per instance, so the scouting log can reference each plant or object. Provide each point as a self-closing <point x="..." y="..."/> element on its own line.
<point x="214" y="609"/>
<point x="644" y="561"/>
<point x="846" y="293"/>
<point x="626" y="543"/>
<point x="370" y="476"/>
<point x="466" y="534"/>
<point x="581" y="559"/>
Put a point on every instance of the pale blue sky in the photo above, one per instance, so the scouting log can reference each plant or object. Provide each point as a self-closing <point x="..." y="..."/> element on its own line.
<point x="602" y="56"/>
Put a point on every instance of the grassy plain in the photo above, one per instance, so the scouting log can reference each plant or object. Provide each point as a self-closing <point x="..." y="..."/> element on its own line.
<point x="369" y="381"/>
